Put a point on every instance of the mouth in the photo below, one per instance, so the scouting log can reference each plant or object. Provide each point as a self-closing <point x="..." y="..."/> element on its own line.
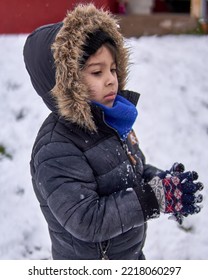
<point x="110" y="96"/>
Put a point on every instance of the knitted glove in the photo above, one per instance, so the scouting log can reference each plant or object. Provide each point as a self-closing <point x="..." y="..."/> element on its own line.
<point x="176" y="190"/>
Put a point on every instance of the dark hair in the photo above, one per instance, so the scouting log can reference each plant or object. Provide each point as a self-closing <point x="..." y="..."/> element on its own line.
<point x="112" y="50"/>
<point x="94" y="41"/>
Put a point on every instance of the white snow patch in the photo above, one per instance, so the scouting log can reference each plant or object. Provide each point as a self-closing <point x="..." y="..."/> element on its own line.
<point x="171" y="74"/>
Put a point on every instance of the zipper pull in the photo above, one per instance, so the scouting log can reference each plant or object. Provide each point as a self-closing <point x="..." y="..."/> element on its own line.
<point x="129" y="154"/>
<point x="104" y="257"/>
<point x="132" y="159"/>
<point x="103" y="250"/>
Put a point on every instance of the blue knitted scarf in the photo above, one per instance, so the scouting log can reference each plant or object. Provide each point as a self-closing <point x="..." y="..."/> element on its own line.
<point x="121" y="116"/>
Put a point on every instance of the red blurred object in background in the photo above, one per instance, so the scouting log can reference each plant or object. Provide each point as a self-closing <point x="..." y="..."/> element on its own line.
<point x="160" y="6"/>
<point x="23" y="16"/>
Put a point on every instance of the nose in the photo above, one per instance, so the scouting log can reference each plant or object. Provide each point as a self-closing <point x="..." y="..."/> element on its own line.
<point x="111" y="78"/>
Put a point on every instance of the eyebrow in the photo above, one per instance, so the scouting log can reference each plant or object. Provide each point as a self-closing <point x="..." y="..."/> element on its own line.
<point x="99" y="64"/>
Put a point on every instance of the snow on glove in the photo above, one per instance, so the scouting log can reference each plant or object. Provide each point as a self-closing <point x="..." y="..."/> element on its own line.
<point x="176" y="191"/>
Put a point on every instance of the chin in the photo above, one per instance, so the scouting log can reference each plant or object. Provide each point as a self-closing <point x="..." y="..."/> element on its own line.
<point x="110" y="104"/>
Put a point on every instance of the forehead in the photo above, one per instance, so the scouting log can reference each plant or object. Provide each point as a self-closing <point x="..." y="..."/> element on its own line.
<point x="102" y="56"/>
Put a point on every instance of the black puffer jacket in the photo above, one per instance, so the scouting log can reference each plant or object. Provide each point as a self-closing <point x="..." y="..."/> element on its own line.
<point x="90" y="184"/>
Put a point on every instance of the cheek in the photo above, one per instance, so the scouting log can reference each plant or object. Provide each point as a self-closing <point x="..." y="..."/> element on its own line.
<point x="94" y="86"/>
<point x="85" y="79"/>
<point x="93" y="92"/>
<point x="117" y="83"/>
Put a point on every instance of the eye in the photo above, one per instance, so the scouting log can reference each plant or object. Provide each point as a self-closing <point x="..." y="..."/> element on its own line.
<point x="97" y="73"/>
<point x="114" y="70"/>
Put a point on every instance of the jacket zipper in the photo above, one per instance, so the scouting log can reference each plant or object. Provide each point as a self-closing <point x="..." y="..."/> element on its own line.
<point x="105" y="245"/>
<point x="103" y="249"/>
<point x="123" y="143"/>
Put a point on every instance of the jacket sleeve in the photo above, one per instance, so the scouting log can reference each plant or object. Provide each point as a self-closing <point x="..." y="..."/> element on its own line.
<point x="66" y="181"/>
<point x="150" y="171"/>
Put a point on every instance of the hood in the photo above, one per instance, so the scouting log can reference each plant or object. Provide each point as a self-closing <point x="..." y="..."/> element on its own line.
<point x="71" y="95"/>
<point x="39" y="61"/>
<point x="52" y="57"/>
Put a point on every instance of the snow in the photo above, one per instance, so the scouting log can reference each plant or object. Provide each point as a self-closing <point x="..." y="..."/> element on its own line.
<point x="170" y="72"/>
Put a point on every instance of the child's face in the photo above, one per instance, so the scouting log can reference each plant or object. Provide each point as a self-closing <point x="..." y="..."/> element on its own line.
<point x="99" y="74"/>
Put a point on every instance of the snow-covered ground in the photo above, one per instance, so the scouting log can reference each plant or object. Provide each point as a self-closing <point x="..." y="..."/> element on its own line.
<point x="171" y="73"/>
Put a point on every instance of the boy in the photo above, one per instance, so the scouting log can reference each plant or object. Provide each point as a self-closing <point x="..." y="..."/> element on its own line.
<point x="90" y="177"/>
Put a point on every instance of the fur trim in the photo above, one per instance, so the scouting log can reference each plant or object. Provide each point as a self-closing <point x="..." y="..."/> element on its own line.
<point x="71" y="95"/>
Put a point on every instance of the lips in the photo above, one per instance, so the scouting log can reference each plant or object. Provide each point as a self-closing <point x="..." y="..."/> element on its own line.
<point x="110" y="95"/>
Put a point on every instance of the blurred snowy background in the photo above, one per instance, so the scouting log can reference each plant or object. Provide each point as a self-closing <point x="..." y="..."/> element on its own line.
<point x="171" y="73"/>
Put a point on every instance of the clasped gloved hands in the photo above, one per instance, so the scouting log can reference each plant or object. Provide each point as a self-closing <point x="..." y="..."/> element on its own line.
<point x="177" y="192"/>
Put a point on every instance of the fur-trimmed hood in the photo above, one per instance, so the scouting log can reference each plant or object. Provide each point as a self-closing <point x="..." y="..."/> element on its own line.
<point x="65" y="90"/>
<point x="71" y="95"/>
